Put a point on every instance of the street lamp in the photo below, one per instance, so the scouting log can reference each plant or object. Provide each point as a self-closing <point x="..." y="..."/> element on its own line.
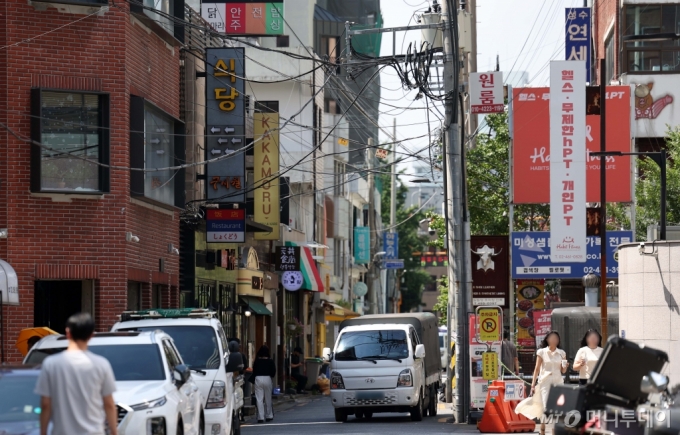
<point x="660" y="158"/>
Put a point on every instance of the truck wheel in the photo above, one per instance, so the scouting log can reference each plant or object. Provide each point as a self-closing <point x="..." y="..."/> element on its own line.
<point x="340" y="415"/>
<point x="417" y="411"/>
<point x="368" y="414"/>
<point x="433" y="403"/>
<point x="359" y="414"/>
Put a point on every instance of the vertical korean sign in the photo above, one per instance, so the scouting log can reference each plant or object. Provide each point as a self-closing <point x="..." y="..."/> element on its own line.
<point x="362" y="241"/>
<point x="486" y="92"/>
<point x="578" y="39"/>
<point x="225" y="124"/>
<point x="391" y="246"/>
<point x="568" y="161"/>
<point x="266" y="173"/>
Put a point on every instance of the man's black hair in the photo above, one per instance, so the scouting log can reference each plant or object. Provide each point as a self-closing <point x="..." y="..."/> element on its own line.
<point x="81" y="326"/>
<point x="298" y="350"/>
<point x="506" y="335"/>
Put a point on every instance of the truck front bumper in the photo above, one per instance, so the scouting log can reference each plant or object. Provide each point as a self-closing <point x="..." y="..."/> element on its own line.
<point x="389" y="398"/>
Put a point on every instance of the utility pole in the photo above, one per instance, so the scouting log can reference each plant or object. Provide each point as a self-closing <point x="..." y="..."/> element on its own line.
<point x="455" y="227"/>
<point x="372" y="291"/>
<point x="392" y="289"/>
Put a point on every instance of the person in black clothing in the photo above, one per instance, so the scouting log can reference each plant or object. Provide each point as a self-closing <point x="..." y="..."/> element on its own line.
<point x="296" y="369"/>
<point x="264" y="370"/>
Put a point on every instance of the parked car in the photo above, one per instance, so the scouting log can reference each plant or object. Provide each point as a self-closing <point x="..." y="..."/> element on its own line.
<point x="155" y="392"/>
<point x="386" y="363"/>
<point x="19" y="405"/>
<point x="199" y="336"/>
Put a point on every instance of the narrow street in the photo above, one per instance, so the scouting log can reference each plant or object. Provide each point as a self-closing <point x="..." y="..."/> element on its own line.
<point x="317" y="413"/>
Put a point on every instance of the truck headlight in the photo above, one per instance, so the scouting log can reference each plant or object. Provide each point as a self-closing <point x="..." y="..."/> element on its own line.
<point x="336" y="381"/>
<point x="216" y="397"/>
<point x="405" y="379"/>
<point x="150" y="404"/>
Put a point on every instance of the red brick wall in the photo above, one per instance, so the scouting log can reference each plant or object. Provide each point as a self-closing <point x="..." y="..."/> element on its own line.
<point x="606" y="12"/>
<point x="112" y="54"/>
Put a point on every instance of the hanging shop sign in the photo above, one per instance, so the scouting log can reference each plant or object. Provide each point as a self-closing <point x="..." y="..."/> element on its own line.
<point x="225" y="124"/>
<point x="391" y="246"/>
<point x="287" y="258"/>
<point x="531" y="256"/>
<point x="266" y="173"/>
<point x="226" y="226"/>
<point x="568" y="161"/>
<point x="490" y="269"/>
<point x="653" y="102"/>
<point x="292" y="280"/>
<point x="362" y="242"/>
<point x="531" y="154"/>
<point x="577" y="31"/>
<point x="529" y="299"/>
<point x="250" y="278"/>
<point x="244" y="17"/>
<point x="486" y="92"/>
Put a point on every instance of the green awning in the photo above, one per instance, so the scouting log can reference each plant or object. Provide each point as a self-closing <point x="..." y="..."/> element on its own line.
<point x="256" y="306"/>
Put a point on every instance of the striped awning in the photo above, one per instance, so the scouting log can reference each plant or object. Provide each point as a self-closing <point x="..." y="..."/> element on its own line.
<point x="310" y="273"/>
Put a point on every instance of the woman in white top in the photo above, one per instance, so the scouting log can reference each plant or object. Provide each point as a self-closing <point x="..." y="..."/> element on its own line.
<point x="551" y="363"/>
<point x="588" y="355"/>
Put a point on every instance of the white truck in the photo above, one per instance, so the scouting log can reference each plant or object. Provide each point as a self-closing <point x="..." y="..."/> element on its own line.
<point x="386" y="363"/>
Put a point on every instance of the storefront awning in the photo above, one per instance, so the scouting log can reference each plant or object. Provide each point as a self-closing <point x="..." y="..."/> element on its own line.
<point x="9" y="284"/>
<point x="256" y="306"/>
<point x="336" y="313"/>
<point x="310" y="273"/>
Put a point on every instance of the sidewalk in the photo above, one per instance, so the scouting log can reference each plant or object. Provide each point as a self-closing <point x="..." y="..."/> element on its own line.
<point x="282" y="402"/>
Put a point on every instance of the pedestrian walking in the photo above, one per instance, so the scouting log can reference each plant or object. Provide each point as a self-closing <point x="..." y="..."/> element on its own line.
<point x="296" y="370"/>
<point x="76" y="386"/>
<point x="551" y="363"/>
<point x="588" y="355"/>
<point x="263" y="372"/>
<point x="509" y="355"/>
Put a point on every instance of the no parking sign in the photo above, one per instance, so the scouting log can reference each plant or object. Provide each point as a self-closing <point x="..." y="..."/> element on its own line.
<point x="489" y="325"/>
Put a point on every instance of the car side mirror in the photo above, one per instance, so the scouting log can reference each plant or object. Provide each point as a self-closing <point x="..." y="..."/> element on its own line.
<point x="420" y="351"/>
<point x="654" y="383"/>
<point x="181" y="374"/>
<point x="326" y="353"/>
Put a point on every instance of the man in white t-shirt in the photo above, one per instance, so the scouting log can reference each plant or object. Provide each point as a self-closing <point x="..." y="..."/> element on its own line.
<point x="76" y="386"/>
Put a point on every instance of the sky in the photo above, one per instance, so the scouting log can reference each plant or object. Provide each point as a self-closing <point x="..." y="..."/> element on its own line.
<point x="525" y="34"/>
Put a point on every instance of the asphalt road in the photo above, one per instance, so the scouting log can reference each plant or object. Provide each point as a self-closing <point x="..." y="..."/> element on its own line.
<point x="315" y="413"/>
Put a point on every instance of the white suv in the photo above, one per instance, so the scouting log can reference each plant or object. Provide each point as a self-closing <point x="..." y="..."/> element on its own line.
<point x="199" y="336"/>
<point x="155" y="393"/>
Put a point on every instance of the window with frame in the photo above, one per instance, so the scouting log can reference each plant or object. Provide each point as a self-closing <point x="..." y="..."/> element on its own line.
<point x="339" y="185"/>
<point x="156" y="142"/>
<point x="73" y="129"/>
<point x="651" y="56"/>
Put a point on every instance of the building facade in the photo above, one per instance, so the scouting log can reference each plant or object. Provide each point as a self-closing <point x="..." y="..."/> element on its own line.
<point x="87" y="112"/>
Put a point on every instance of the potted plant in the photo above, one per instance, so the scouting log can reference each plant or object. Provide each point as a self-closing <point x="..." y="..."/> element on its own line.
<point x="294" y="328"/>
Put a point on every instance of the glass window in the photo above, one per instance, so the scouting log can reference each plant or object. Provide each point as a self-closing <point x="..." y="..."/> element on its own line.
<point x="71" y="130"/>
<point x="164" y="6"/>
<point x="387" y="344"/>
<point x="134" y="296"/>
<point x="196" y="344"/>
<point x="170" y="356"/>
<point x="652" y="55"/>
<point x="18" y="402"/>
<point x="159" y="152"/>
<point x="125" y="361"/>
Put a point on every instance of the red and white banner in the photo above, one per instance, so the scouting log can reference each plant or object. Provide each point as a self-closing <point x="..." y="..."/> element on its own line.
<point x="542" y="325"/>
<point x="568" y="161"/>
<point x="531" y="150"/>
<point x="486" y="92"/>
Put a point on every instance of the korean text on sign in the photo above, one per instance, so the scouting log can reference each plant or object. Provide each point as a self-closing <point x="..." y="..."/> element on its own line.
<point x="577" y="31"/>
<point x="567" y="162"/>
<point x="486" y="92"/>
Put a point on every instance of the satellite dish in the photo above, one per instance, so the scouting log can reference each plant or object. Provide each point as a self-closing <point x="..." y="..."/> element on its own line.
<point x="360" y="289"/>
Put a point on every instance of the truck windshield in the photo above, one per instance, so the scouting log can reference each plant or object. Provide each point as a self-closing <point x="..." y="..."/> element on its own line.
<point x="357" y="345"/>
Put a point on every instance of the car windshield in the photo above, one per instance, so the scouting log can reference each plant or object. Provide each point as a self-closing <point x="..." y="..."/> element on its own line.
<point x="17" y="401"/>
<point x="441" y="341"/>
<point x="355" y="345"/>
<point x="196" y="344"/>
<point x="124" y="359"/>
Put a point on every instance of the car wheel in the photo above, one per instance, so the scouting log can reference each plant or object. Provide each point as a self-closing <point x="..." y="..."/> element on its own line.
<point x="417" y="411"/>
<point x="180" y="426"/>
<point x="359" y="414"/>
<point x="235" y="425"/>
<point x="340" y="415"/>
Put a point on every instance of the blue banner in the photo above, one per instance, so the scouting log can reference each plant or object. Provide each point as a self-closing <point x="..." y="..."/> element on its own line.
<point x="391" y="246"/>
<point x="531" y="256"/>
<point x="362" y="245"/>
<point x="578" y="28"/>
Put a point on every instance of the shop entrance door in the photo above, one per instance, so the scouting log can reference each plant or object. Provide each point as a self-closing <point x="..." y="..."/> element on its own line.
<point x="56" y="301"/>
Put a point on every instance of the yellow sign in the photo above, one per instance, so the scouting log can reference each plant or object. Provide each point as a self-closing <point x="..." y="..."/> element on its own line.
<point x="489" y="325"/>
<point x="266" y="178"/>
<point x="490" y="366"/>
<point x="342" y="141"/>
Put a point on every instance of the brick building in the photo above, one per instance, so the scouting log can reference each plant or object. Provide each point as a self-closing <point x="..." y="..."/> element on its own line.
<point x="85" y="84"/>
